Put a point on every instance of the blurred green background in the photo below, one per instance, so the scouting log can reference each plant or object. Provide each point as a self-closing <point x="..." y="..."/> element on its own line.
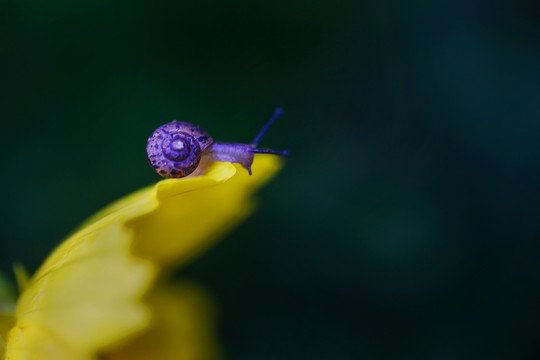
<point x="405" y="224"/>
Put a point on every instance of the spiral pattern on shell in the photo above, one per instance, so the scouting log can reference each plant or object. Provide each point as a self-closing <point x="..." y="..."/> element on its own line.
<point x="174" y="150"/>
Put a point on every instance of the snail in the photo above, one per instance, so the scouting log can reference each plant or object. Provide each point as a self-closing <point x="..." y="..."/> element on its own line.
<point x="177" y="149"/>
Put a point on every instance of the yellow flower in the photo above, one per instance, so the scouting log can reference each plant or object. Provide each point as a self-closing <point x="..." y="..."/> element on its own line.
<point x="103" y="292"/>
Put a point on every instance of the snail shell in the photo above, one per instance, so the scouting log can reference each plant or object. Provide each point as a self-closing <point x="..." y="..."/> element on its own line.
<point x="175" y="149"/>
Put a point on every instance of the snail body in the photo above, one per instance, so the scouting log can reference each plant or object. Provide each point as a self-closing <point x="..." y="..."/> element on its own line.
<point x="175" y="150"/>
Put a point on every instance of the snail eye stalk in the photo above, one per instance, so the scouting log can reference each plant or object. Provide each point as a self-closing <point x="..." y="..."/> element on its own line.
<point x="265" y="128"/>
<point x="264" y="151"/>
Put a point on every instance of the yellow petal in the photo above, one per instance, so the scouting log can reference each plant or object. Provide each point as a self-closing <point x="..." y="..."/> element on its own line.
<point x="187" y="223"/>
<point x="87" y="299"/>
<point x="7" y="306"/>
<point x="181" y="327"/>
<point x="87" y="296"/>
<point x="6" y="323"/>
<point x="21" y="275"/>
<point x="36" y="343"/>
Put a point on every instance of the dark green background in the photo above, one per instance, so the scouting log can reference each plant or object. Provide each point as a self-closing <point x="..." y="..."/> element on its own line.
<point x="405" y="224"/>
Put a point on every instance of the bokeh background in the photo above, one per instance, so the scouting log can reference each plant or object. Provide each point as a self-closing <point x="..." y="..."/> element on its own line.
<point x="405" y="224"/>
